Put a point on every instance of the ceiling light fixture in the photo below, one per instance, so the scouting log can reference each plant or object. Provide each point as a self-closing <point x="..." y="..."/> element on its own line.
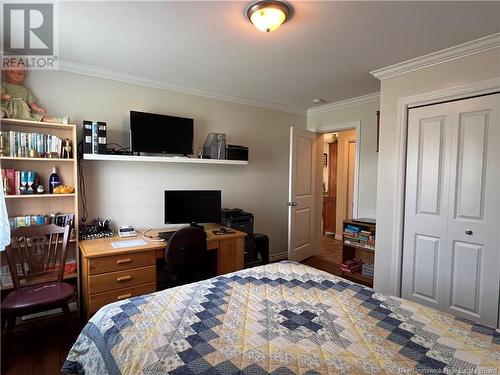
<point x="268" y="15"/>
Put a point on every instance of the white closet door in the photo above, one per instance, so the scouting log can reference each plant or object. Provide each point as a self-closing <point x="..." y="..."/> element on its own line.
<point x="451" y="257"/>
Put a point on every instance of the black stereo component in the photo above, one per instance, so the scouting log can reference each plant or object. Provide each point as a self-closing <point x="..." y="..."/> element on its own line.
<point x="235" y="152"/>
<point x="114" y="151"/>
<point x="94" y="137"/>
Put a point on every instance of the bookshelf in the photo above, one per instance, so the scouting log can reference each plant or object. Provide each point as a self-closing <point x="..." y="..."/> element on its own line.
<point x="358" y="242"/>
<point x="44" y="204"/>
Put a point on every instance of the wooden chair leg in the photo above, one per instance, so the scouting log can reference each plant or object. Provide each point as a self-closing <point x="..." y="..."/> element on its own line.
<point x="67" y="314"/>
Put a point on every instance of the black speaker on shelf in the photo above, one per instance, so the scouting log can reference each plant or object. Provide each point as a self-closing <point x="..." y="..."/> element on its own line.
<point x="235" y="152"/>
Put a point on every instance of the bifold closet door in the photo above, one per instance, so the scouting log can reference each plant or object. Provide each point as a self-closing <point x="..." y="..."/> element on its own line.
<point x="451" y="251"/>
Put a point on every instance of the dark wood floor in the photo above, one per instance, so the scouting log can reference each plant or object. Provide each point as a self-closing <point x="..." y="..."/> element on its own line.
<point x="39" y="350"/>
<point x="330" y="258"/>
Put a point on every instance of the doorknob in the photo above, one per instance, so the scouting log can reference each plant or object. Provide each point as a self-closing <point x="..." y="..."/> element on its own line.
<point x="468" y="232"/>
<point x="292" y="204"/>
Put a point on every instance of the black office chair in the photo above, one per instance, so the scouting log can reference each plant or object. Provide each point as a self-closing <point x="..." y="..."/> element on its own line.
<point x="187" y="258"/>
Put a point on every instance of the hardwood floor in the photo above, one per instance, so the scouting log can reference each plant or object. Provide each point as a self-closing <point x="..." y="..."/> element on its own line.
<point x="330" y="258"/>
<point x="39" y="350"/>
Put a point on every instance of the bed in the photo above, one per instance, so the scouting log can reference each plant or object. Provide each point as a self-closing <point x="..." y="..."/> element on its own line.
<point x="282" y="318"/>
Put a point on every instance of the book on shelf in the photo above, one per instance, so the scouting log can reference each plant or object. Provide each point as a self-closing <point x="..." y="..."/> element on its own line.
<point x="352" y="228"/>
<point x="351" y="266"/>
<point x="6" y="278"/>
<point x="351" y="269"/>
<point x="20" y="182"/>
<point x="9" y="178"/>
<point x="60" y="219"/>
<point x="367" y="270"/>
<point x="26" y="145"/>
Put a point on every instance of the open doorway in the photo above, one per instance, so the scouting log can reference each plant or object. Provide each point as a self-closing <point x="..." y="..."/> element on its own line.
<point x="339" y="199"/>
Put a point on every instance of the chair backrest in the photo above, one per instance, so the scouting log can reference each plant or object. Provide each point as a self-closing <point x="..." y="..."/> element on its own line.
<point x="187" y="250"/>
<point x="36" y="251"/>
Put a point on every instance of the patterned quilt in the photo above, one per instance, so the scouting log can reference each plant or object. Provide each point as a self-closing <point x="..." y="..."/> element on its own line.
<point x="282" y="318"/>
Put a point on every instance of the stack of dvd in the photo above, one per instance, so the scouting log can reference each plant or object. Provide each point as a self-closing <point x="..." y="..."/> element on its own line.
<point x="367" y="270"/>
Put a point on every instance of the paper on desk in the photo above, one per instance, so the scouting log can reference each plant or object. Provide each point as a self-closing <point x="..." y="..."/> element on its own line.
<point x="131" y="243"/>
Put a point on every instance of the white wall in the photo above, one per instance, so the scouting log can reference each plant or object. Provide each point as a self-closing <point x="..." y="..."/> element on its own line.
<point x="132" y="193"/>
<point x="465" y="70"/>
<point x="366" y="113"/>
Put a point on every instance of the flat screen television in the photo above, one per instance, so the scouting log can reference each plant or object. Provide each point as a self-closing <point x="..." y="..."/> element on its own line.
<point x="154" y="133"/>
<point x="192" y="206"/>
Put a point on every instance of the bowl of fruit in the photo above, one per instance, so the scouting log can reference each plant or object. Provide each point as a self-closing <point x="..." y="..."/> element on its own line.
<point x="64" y="189"/>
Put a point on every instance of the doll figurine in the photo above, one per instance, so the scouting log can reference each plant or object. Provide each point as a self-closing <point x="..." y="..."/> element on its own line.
<point x="18" y="102"/>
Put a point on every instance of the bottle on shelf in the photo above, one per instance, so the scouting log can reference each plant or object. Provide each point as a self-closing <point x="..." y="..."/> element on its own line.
<point x="53" y="180"/>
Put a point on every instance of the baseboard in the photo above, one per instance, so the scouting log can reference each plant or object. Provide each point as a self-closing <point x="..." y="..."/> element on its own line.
<point x="278" y="256"/>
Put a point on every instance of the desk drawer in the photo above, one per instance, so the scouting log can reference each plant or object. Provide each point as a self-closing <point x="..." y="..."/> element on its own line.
<point x="122" y="279"/>
<point x="99" y="300"/>
<point x="121" y="262"/>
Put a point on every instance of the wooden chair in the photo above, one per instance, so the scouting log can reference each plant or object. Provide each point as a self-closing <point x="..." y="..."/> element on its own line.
<point x="37" y="255"/>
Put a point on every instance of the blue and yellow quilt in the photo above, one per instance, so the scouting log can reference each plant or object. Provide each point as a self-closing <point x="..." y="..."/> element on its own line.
<point x="282" y="318"/>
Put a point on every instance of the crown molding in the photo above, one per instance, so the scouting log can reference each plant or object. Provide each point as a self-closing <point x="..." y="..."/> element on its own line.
<point x="344" y="103"/>
<point x="448" y="54"/>
<point x="141" y="80"/>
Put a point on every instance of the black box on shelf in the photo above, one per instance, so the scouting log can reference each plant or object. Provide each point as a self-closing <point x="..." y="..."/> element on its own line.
<point x="94" y="137"/>
<point x="87" y="136"/>
<point x="235" y="152"/>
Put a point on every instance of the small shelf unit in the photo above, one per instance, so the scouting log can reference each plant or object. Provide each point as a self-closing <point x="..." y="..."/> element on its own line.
<point x="161" y="159"/>
<point x="355" y="248"/>
<point x="45" y="204"/>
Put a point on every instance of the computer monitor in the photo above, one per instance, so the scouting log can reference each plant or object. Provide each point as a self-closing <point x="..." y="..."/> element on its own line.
<point x="192" y="206"/>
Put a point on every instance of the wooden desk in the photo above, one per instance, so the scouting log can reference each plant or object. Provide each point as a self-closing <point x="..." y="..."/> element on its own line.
<point x="109" y="275"/>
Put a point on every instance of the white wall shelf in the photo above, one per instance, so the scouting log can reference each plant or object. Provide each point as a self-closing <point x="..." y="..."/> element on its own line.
<point x="161" y="159"/>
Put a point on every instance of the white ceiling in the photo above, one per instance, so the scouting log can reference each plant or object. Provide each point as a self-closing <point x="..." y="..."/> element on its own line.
<point x="325" y="51"/>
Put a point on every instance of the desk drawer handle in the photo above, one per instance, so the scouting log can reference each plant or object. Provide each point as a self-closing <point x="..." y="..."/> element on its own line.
<point x="123" y="261"/>
<point x="124" y="296"/>
<point x="124" y="278"/>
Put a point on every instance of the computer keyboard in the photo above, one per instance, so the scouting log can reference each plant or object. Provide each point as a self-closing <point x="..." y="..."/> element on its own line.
<point x="165" y="235"/>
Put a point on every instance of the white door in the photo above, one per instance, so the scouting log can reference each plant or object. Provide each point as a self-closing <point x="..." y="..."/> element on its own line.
<point x="301" y="194"/>
<point x="451" y="257"/>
